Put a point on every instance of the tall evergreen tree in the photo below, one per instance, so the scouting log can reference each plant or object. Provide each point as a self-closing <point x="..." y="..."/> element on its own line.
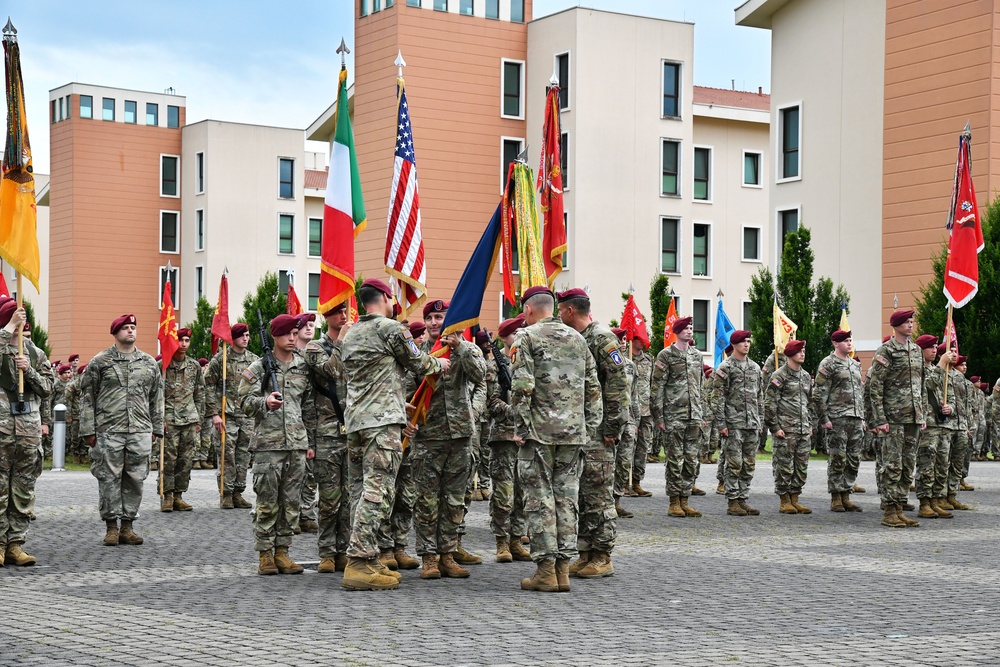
<point x="271" y="302"/>
<point x="761" y="295"/>
<point x="201" y="330"/>
<point x="39" y="336"/>
<point x="659" y="303"/>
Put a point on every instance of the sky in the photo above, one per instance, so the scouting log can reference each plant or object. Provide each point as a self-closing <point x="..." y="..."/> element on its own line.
<point x="248" y="61"/>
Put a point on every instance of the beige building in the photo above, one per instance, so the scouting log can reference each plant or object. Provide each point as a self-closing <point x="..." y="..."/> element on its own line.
<point x="39" y="301"/>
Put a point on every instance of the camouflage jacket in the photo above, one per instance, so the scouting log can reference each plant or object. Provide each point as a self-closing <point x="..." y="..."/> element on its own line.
<point x="72" y="399"/>
<point x="643" y="373"/>
<point x="631" y="380"/>
<point x="477" y="395"/>
<point x="556" y="394"/>
<point x="235" y="365"/>
<point x="327" y="369"/>
<point x="282" y="429"/>
<point x="451" y="413"/>
<point x="58" y="391"/>
<point x="503" y="416"/>
<point x="768" y="368"/>
<point x="839" y="391"/>
<point x="960" y="397"/>
<point x="121" y="393"/>
<point x="866" y="397"/>
<point x="675" y="391"/>
<point x="184" y="393"/>
<point x="611" y="374"/>
<point x="897" y="384"/>
<point x="934" y="394"/>
<point x="786" y="401"/>
<point x="38" y="381"/>
<point x="737" y="395"/>
<point x="376" y="353"/>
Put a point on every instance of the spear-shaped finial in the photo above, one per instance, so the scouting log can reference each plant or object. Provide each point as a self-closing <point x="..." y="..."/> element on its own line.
<point x="967" y="132"/>
<point x="225" y="270"/>
<point x="720" y="294"/>
<point x="586" y="288"/>
<point x="522" y="157"/>
<point x="895" y="302"/>
<point x="672" y="295"/>
<point x="9" y="32"/>
<point x="169" y="268"/>
<point x="343" y="51"/>
<point x="631" y="288"/>
<point x="400" y="63"/>
<point x="554" y="81"/>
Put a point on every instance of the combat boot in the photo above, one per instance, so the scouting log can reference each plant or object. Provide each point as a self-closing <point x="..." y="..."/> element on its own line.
<point x="227" y="502"/>
<point x="562" y="574"/>
<point x="579" y="563"/>
<point x="837" y="503"/>
<point x="382" y="569"/>
<point x="640" y="492"/>
<point x="622" y="512"/>
<point x="544" y="579"/>
<point x="267" y="565"/>
<point x="926" y="511"/>
<point x="361" y="575"/>
<point x="786" y="506"/>
<point x="386" y="558"/>
<point x="675" y="507"/>
<point x="721" y="489"/>
<point x="890" y="519"/>
<point x="239" y="503"/>
<point x="484" y="493"/>
<point x="167" y="502"/>
<point x="503" y="551"/>
<point x="111" y="537"/>
<point x="518" y="551"/>
<point x="284" y="562"/>
<point x="341" y="561"/>
<point x="327" y="566"/>
<point x="695" y="491"/>
<point x="955" y="504"/>
<point x="307" y="525"/>
<point x="180" y="505"/>
<point x="858" y="489"/>
<point x="965" y="487"/>
<point x="128" y="536"/>
<point x="735" y="509"/>
<point x="907" y="507"/>
<point x="16" y="555"/>
<point x="154" y="466"/>
<point x="599" y="566"/>
<point x="938" y="510"/>
<point x="793" y="498"/>
<point x="403" y="560"/>
<point x="450" y="568"/>
<point x="943" y="503"/>
<point x="845" y="498"/>
<point x="687" y="509"/>
<point x="752" y="511"/>
<point x="430" y="568"/>
<point x="907" y="521"/>
<point x="465" y="558"/>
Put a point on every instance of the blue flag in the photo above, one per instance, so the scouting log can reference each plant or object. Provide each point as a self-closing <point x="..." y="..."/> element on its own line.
<point x="723" y="329"/>
<point x="463" y="312"/>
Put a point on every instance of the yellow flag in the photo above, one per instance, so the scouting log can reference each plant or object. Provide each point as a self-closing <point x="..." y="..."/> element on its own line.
<point x="845" y="326"/>
<point x="784" y="328"/>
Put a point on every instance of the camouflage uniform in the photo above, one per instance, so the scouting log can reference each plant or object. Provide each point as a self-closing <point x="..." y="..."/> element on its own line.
<point x="676" y="401"/>
<point x="307" y="507"/>
<point x="737" y="403"/>
<point x="988" y="429"/>
<point x="769" y="366"/>
<point x="373" y="352"/>
<point x="507" y="500"/>
<point x="935" y="442"/>
<point x="877" y="439"/>
<point x="838" y="398"/>
<point x="183" y="410"/>
<point x="239" y="427"/>
<point x="74" y="444"/>
<point x="477" y="398"/>
<point x="556" y="401"/>
<point x="394" y="531"/>
<point x="644" y="425"/>
<point x="121" y="402"/>
<point x="959" y="396"/>
<point x="625" y="449"/>
<point x="279" y="443"/>
<point x="58" y="396"/>
<point x="786" y="408"/>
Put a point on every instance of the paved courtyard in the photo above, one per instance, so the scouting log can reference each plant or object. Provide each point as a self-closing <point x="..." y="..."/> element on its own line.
<point x="825" y="589"/>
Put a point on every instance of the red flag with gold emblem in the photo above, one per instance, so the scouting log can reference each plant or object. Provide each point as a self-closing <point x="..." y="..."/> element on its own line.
<point x="293" y="306"/>
<point x="167" y="333"/>
<point x="221" y="329"/>
<point x="668" y="333"/>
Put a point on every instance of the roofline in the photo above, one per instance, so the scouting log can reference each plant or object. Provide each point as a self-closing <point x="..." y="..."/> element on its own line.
<point x="327" y="116"/>
<point x="758" y="13"/>
<point x="724" y="112"/>
<point x="130" y="90"/>
<point x="604" y="11"/>
<point x="233" y="122"/>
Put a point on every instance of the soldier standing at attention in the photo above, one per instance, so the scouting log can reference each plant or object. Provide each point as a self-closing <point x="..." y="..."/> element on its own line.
<point x="306" y="323"/>
<point x="678" y="375"/>
<point x="838" y="400"/>
<point x="183" y="410"/>
<point x="121" y="415"/>
<point x="934" y="444"/>
<point x="376" y="352"/>
<point x="625" y="449"/>
<point x="788" y="417"/>
<point x="557" y="410"/>
<point x="960" y="445"/>
<point x="280" y="445"/>
<point x="644" y="428"/>
<point x="207" y="434"/>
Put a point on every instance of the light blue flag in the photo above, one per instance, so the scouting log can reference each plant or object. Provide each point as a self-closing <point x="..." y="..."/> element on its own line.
<point x="723" y="329"/>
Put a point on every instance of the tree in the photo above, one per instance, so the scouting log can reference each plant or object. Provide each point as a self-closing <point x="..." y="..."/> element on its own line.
<point x="761" y="294"/>
<point x="659" y="303"/>
<point x="39" y="336"/>
<point x="201" y="330"/>
<point x="271" y="302"/>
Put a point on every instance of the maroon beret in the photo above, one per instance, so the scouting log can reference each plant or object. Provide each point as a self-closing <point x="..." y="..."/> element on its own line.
<point x="707" y="369"/>
<point x="618" y="331"/>
<point x="417" y="329"/>
<point x="729" y="351"/>
<point x="507" y="327"/>
<point x="926" y="341"/>
<point x="961" y="360"/>
<point x="574" y="293"/>
<point x="203" y="362"/>
<point x="81" y="369"/>
<point x="185" y="331"/>
<point x="438" y="306"/>
<point x="482" y="337"/>
<point x="738" y="336"/>
<point x="329" y="311"/>
<point x="302" y="318"/>
<point x="64" y="368"/>
<point x="886" y="339"/>
<point x="985" y="386"/>
<point x="159" y="357"/>
<point x="839" y="336"/>
<point x="238" y="330"/>
<point x="680" y="324"/>
<point x="284" y="324"/>
<point x="379" y="285"/>
<point x="900" y="316"/>
<point x="532" y="291"/>
<point x="975" y="379"/>
<point x="73" y="357"/>
<point x="120" y="322"/>
<point x="793" y="347"/>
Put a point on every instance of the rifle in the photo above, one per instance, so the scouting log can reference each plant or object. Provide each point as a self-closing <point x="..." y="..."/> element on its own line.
<point x="270" y="365"/>
<point x="330" y="390"/>
<point x="504" y="377"/>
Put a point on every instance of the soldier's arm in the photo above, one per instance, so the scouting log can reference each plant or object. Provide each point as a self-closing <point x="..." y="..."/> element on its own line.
<point x="522" y="383"/>
<point x="771" y="398"/>
<point x="406" y="353"/>
<point x="656" y="389"/>
<point x="615" y="391"/>
<point x="593" y="404"/>
<point x="156" y="403"/>
<point x="467" y="359"/>
<point x="87" y="387"/>
<point x="251" y="402"/>
<point x="717" y="396"/>
<point x="821" y="393"/>
<point x="41" y="377"/>
<point x="479" y="400"/>
<point x="880" y="372"/>
<point x="213" y="376"/>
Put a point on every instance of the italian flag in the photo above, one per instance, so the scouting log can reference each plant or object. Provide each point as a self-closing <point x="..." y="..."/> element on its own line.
<point x="343" y="211"/>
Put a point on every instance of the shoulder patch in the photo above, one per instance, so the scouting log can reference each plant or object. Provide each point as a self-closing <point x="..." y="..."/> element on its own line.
<point x="314" y="346"/>
<point x="407" y="334"/>
<point x="720" y="372"/>
<point x="776" y="382"/>
<point x="659" y="364"/>
<point x="824" y="371"/>
<point x="248" y="374"/>
<point x="513" y="353"/>
<point x="412" y="344"/>
<point x="882" y="360"/>
<point x="616" y="356"/>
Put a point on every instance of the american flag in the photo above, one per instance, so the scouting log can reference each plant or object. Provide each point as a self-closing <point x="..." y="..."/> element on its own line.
<point x="404" y="242"/>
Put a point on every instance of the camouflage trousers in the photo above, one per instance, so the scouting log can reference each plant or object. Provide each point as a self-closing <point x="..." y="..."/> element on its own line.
<point x="899" y="456"/>
<point x="475" y="481"/>
<point x="819" y="440"/>
<point x="720" y="472"/>
<point x="395" y="530"/>
<point x="598" y="519"/>
<point x="933" y="462"/>
<point x="739" y="455"/>
<point x="844" y="442"/>
<point x="682" y="442"/>
<point x="878" y="440"/>
<point x="624" y="459"/>
<point x="333" y="507"/>
<point x="957" y="471"/>
<point x="790" y="462"/>
<point x="709" y="440"/>
<point x="643" y="445"/>
<point x="968" y="452"/>
<point x="483" y="448"/>
<point x="441" y="469"/>
<point x="868" y="447"/>
<point x="550" y="477"/>
<point x="120" y="462"/>
<point x="373" y="456"/>
<point x="507" y="500"/>
<point x="20" y="466"/>
<point x="307" y="508"/>
<point x="208" y="440"/>
<point x="179" y="444"/>
<point x="238" y="431"/>
<point x="277" y="482"/>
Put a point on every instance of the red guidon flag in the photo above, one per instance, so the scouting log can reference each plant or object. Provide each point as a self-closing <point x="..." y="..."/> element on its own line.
<point x="550" y="189"/>
<point x="634" y="323"/>
<point x="220" y="322"/>
<point x="961" y="271"/>
<point x="668" y="333"/>
<point x="292" y="304"/>
<point x="167" y="333"/>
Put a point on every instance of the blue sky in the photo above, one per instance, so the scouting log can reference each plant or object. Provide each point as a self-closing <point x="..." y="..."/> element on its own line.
<point x="253" y="62"/>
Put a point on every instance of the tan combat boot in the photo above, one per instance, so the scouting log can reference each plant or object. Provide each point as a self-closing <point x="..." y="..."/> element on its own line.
<point x="503" y="551"/>
<point x="858" y="489"/>
<point x="362" y="575"/>
<point x="430" y="568"/>
<point x="16" y="555"/>
<point x="180" y="505"/>
<point x="622" y="512"/>
<point x="926" y="511"/>
<point x="845" y="498"/>
<point x="465" y="558"/>
<point x="599" y="566"/>
<point x="307" y="525"/>
<point x="227" y="502"/>
<point x="837" y="503"/>
<point x="450" y="568"/>
<point x="907" y="521"/>
<point x="943" y="503"/>
<point x="786" y="506"/>
<point x="751" y="511"/>
<point x="284" y="562"/>
<point x="963" y="486"/>
<point x="239" y="503"/>
<point x="562" y="574"/>
<point x="167" y="502"/>
<point x="890" y="519"/>
<point x="793" y="498"/>
<point x="327" y="566"/>
<point x="404" y="561"/>
<point x="579" y="563"/>
<point x="518" y="551"/>
<point x="721" y="489"/>
<point x="3" y="555"/>
<point x="128" y="536"/>
<point x="735" y="509"/>
<point x="695" y="491"/>
<point x="382" y="569"/>
<point x="267" y="565"/>
<point x="955" y="504"/>
<point x="940" y="511"/>
<point x="341" y="561"/>
<point x="675" y="507"/>
<point x="687" y="509"/>
<point x="386" y="558"/>
<point x="640" y="492"/>
<point x="544" y="579"/>
<point x="111" y="537"/>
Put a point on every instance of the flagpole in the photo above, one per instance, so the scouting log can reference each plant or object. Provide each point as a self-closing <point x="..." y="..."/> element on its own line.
<point x="947" y="349"/>
<point x="222" y="436"/>
<point x="20" y="344"/>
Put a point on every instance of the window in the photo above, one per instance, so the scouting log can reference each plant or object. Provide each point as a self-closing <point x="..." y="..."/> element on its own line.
<point x="286" y="234"/>
<point x="751" y="244"/>
<point x="440" y="5"/>
<point x="702" y="249"/>
<point x="175" y="292"/>
<point x="283" y="280"/>
<point x="313" y="292"/>
<point x="173" y="116"/>
<point x="699" y="311"/>
<point x="512" y="86"/>
<point x="790" y="137"/>
<point x="670" y="164"/>
<point x="62" y="114"/>
<point x="412" y="3"/>
<point x="169" y="232"/>
<point x="55" y="116"/>
<point x="746" y="316"/>
<point x="506" y="310"/>
<point x="671" y="90"/>
<point x="108" y="107"/>
<point x="69" y="106"/>
<point x="131" y="113"/>
<point x="517" y="11"/>
<point x="152" y="114"/>
<point x="376" y="5"/>
<point x="492" y="9"/>
<point x="466" y="7"/>
<point x="86" y="106"/>
<point x="511" y="149"/>
<point x="286" y="178"/>
<point x="562" y="69"/>
<point x="315" y="237"/>
<point x="788" y="222"/>
<point x="199" y="230"/>
<point x="199" y="282"/>
<point x="199" y="173"/>
<point x="702" y="174"/>
<point x="168" y="176"/>
<point x="564" y="159"/>
<point x="669" y="245"/>
<point x="388" y="4"/>
<point x="751" y="168"/>
<point x="363" y="11"/>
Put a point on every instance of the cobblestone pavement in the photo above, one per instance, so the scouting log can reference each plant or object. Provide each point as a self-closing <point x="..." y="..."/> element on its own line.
<point x="829" y="589"/>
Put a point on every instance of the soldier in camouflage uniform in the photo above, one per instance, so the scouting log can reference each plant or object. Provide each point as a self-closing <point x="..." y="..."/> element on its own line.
<point x="63" y="375"/>
<point x="625" y="449"/>
<point x="483" y="480"/>
<point x="934" y="444"/>
<point x="121" y="415"/>
<point x="74" y="444"/>
<point x="897" y="402"/>
<point x="556" y="400"/>
<point x="644" y="428"/>
<point x="307" y="515"/>
<point x="477" y="397"/>
<point x="789" y="418"/>
<point x="975" y="422"/>
<point x="598" y="519"/>
<point x="962" y="401"/>
<point x="676" y="401"/>
<point x="774" y="361"/>
<point x="184" y="411"/>
<point x="279" y="443"/>
<point x="20" y="433"/>
<point x="238" y="427"/>
<point x="376" y="352"/>
<point x="838" y="402"/>
<point x="204" y="450"/>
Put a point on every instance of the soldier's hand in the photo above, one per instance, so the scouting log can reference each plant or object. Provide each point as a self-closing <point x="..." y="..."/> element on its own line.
<point x="219" y="425"/>
<point x="410" y="410"/>
<point x="18" y="318"/>
<point x="828" y="426"/>
<point x="445" y="365"/>
<point x="310" y="454"/>
<point x="945" y="409"/>
<point x="609" y="441"/>
<point x="410" y="430"/>
<point x="884" y="428"/>
<point x="197" y="428"/>
<point x="90" y="440"/>
<point x="724" y="432"/>
<point x="22" y="362"/>
<point x="273" y="402"/>
<point x="518" y="440"/>
<point x="45" y="429"/>
<point x="780" y="433"/>
<point x="923" y="426"/>
<point x="345" y="329"/>
<point x="453" y="340"/>
<point x="662" y="427"/>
